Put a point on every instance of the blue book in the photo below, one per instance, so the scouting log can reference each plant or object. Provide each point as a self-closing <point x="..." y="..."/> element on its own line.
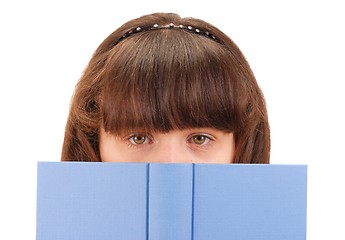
<point x="152" y="201"/>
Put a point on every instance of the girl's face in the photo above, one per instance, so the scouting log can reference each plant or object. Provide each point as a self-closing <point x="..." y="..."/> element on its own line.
<point x="200" y="145"/>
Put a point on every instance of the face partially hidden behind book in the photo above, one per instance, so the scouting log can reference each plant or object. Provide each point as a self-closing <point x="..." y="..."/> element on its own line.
<point x="199" y="145"/>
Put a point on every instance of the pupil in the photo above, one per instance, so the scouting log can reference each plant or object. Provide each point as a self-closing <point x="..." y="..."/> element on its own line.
<point x="199" y="139"/>
<point x="139" y="139"/>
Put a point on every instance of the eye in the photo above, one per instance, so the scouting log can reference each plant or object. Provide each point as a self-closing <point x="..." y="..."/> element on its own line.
<point x="139" y="139"/>
<point x="200" y="139"/>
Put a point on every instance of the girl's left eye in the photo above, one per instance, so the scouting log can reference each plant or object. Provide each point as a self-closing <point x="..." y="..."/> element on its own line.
<point x="200" y="139"/>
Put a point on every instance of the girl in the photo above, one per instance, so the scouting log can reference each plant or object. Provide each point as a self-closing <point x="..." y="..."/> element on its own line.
<point x="162" y="88"/>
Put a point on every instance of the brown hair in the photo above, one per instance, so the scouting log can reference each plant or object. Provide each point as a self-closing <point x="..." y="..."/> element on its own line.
<point x="165" y="79"/>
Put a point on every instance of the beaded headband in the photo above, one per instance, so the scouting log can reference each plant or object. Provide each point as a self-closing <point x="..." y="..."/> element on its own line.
<point x="188" y="28"/>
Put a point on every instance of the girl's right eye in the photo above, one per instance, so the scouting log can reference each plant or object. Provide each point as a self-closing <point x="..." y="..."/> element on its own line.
<point x="139" y="139"/>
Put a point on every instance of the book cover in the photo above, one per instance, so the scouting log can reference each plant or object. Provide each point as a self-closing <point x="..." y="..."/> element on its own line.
<point x="153" y="201"/>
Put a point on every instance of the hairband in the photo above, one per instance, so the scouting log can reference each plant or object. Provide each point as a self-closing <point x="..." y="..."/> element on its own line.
<point x="188" y="28"/>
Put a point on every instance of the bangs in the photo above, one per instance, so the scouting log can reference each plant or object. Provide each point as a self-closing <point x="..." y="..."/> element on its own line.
<point x="168" y="79"/>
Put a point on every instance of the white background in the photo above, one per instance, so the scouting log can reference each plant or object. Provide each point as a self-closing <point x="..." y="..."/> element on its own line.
<point x="296" y="49"/>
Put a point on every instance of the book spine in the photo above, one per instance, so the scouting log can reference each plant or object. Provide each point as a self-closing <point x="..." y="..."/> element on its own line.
<point x="170" y="207"/>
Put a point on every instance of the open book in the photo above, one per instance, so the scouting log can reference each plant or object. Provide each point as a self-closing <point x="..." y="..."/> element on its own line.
<point x="151" y="201"/>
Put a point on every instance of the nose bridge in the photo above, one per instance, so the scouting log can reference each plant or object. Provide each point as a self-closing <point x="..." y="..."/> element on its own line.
<point x="170" y="151"/>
